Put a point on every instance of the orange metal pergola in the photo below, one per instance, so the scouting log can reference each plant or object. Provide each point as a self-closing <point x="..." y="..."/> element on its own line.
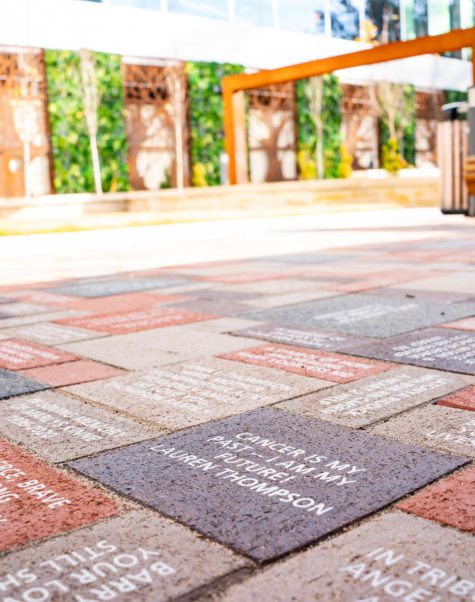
<point x="234" y="86"/>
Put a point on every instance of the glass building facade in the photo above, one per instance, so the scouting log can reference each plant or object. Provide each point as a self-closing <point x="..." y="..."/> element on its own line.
<point x="346" y="19"/>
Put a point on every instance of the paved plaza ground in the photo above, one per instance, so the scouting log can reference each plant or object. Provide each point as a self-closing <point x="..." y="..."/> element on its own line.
<point x="285" y="414"/>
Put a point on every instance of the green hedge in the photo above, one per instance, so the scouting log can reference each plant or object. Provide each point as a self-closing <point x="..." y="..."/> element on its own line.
<point x="69" y="137"/>
<point x="331" y="115"/>
<point x="206" y="116"/>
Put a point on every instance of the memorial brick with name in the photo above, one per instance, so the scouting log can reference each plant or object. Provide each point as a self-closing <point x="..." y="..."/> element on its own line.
<point x="135" y="321"/>
<point x="376" y="397"/>
<point x="59" y="427"/>
<point x="15" y="383"/>
<point x="365" y="315"/>
<point x="16" y="354"/>
<point x="155" y="561"/>
<point x="48" y="333"/>
<point x="299" y="337"/>
<point x="16" y="309"/>
<point x="391" y="557"/>
<point x="190" y="393"/>
<point x="449" y="502"/>
<point x="267" y="482"/>
<point x="103" y="287"/>
<point x="434" y="426"/>
<point x="38" y="501"/>
<point x="318" y="364"/>
<point x="36" y="318"/>
<point x="462" y="400"/>
<point x="438" y="348"/>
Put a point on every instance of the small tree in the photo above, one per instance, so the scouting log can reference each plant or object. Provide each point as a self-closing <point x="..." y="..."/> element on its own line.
<point x="314" y="94"/>
<point x="396" y="107"/>
<point x="87" y="63"/>
<point x="177" y="90"/>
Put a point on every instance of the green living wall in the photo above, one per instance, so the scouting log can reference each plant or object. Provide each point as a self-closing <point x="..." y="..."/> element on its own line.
<point x="206" y="118"/>
<point x="331" y="116"/>
<point x="69" y="136"/>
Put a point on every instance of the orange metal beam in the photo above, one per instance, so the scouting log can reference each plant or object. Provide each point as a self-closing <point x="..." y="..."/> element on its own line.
<point x="233" y="85"/>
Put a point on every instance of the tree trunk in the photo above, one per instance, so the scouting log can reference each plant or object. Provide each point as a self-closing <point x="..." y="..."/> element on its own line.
<point x="96" y="164"/>
<point x="180" y="169"/>
<point x="319" y="150"/>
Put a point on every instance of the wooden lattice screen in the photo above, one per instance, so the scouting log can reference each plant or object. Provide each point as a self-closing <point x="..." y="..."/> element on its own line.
<point x="150" y="121"/>
<point x="272" y="133"/>
<point x="24" y="130"/>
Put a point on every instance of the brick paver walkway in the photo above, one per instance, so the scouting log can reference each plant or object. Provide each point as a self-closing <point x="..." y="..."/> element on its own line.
<point x="287" y="428"/>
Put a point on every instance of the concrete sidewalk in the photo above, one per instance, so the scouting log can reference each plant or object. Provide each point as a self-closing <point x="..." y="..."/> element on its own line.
<point x="288" y="416"/>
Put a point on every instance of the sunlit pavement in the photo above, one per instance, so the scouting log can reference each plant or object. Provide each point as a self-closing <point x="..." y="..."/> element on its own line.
<point x="64" y="255"/>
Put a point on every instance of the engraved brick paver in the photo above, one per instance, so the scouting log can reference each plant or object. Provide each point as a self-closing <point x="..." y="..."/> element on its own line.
<point x="299" y="337"/>
<point x="103" y="287"/>
<point x="440" y="348"/>
<point x="371" y="399"/>
<point x="48" y="333"/>
<point x="267" y="482"/>
<point x="155" y="561"/>
<point x="366" y="315"/>
<point x="135" y="321"/>
<point x="193" y="392"/>
<point x="435" y="426"/>
<point x="393" y="557"/>
<point x="58" y="426"/>
<point x="39" y="501"/>
<point x="328" y="366"/>
<point x="16" y="354"/>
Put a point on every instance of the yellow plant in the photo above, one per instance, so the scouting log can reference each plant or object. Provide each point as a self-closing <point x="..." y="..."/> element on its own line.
<point x="307" y="166"/>
<point x="346" y="159"/>
<point x="391" y="160"/>
<point x="199" y="175"/>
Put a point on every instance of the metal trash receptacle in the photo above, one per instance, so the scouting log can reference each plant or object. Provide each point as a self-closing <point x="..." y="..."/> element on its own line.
<point x="452" y="145"/>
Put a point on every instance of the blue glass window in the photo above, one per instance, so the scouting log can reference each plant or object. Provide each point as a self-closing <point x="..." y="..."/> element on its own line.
<point x="417" y="19"/>
<point x="385" y="15"/>
<point x="345" y="19"/>
<point x="257" y="12"/>
<point x="307" y="16"/>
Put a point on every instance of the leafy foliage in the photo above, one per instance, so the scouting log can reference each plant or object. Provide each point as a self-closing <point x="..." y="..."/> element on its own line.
<point x="206" y="118"/>
<point x="69" y="138"/>
<point x="331" y="115"/>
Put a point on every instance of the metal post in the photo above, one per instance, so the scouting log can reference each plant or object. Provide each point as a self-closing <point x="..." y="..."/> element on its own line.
<point x="471" y="140"/>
